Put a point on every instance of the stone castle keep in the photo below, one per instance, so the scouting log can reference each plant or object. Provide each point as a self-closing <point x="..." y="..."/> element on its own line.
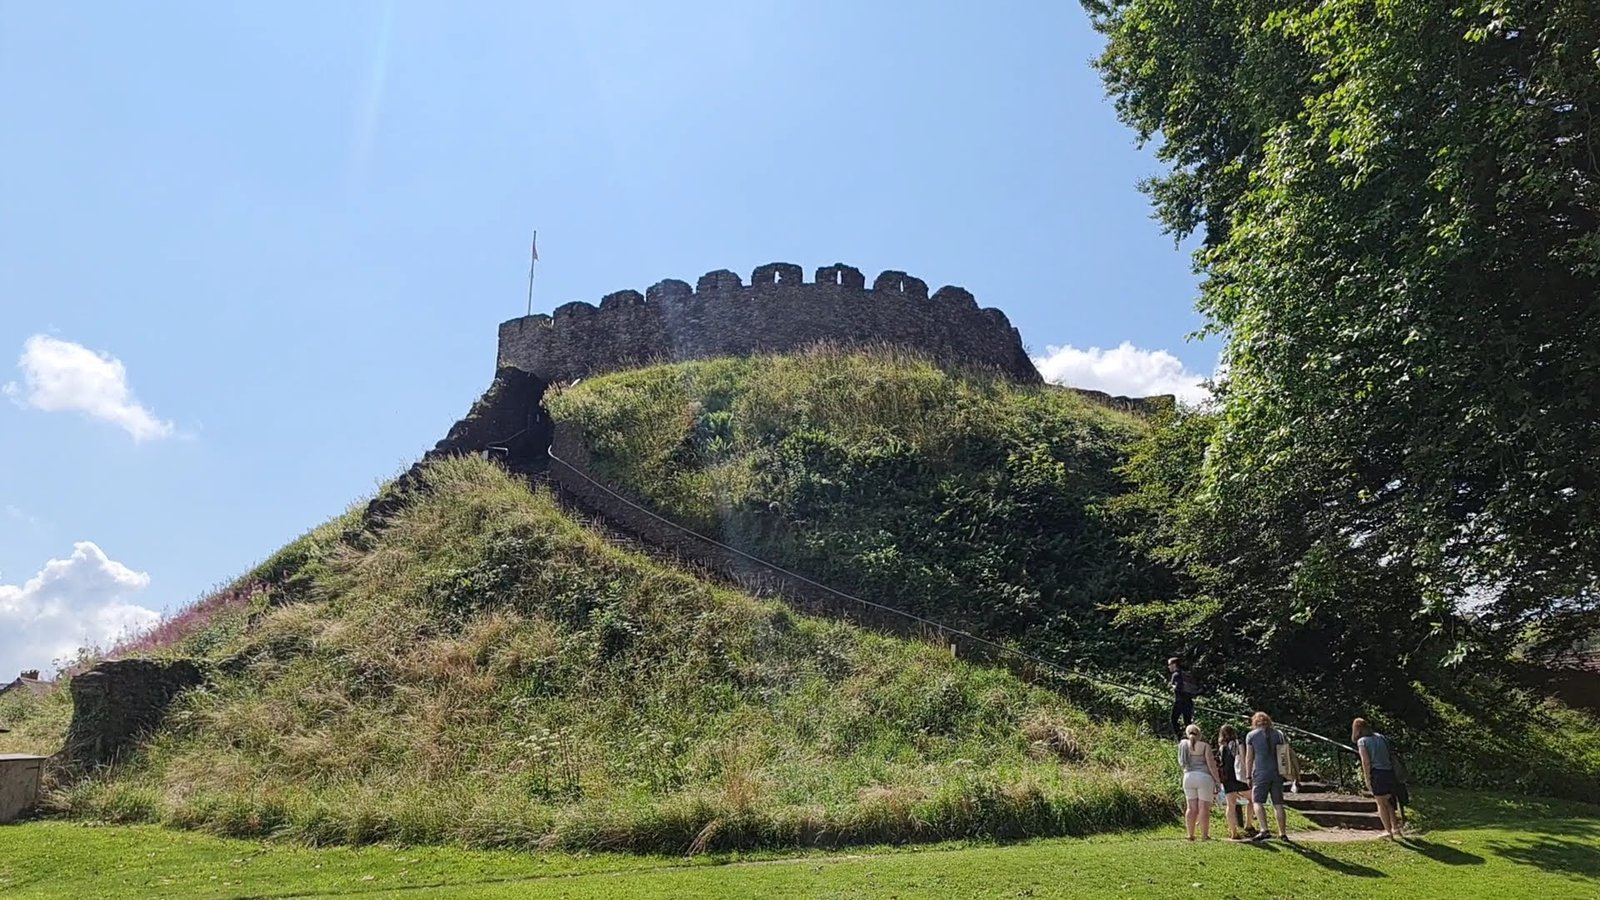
<point x="777" y="312"/>
<point x="720" y="316"/>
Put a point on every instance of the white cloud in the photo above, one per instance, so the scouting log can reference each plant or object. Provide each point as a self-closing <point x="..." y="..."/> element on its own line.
<point x="16" y="513"/>
<point x="60" y="376"/>
<point x="79" y="601"/>
<point x="1124" y="370"/>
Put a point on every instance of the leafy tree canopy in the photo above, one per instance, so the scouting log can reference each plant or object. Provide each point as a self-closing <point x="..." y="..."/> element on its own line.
<point x="1398" y="201"/>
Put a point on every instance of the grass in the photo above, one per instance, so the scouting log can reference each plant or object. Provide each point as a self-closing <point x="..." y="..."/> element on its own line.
<point x="485" y="672"/>
<point x="1473" y="845"/>
<point x="37" y="723"/>
<point x="964" y="497"/>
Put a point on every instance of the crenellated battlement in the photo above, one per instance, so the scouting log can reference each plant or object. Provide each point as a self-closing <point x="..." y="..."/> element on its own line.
<point x="776" y="312"/>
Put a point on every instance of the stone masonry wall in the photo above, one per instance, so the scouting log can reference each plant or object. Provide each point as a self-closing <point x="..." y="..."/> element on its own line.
<point x="114" y="704"/>
<point x="777" y="312"/>
<point x="508" y="420"/>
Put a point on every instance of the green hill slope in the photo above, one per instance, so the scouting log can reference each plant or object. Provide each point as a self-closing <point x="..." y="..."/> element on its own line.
<point x="484" y="670"/>
<point x="968" y="499"/>
<point x="989" y="506"/>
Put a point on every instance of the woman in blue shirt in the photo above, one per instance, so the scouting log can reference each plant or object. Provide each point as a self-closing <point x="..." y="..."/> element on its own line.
<point x="1377" y="765"/>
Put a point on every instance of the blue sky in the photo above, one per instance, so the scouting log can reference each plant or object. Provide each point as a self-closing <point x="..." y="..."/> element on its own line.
<point x="252" y="256"/>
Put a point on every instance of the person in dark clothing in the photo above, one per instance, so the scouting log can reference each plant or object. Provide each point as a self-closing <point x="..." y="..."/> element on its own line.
<point x="1183" y="694"/>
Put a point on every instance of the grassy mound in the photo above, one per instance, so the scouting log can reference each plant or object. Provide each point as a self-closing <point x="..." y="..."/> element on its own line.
<point x="965" y="498"/>
<point x="991" y="506"/>
<point x="485" y="671"/>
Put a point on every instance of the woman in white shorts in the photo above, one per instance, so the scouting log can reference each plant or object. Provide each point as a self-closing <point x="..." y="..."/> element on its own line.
<point x="1200" y="780"/>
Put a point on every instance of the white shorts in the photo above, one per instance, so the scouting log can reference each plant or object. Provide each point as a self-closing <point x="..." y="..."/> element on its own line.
<point x="1199" y="786"/>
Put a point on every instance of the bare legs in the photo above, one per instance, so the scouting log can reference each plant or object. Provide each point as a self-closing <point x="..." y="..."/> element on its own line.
<point x="1283" y="818"/>
<point x="1386" y="814"/>
<point x="1197" y="812"/>
<point x="1240" y="814"/>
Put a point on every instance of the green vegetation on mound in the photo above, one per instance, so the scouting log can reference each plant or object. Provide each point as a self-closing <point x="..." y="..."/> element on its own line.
<point x="1035" y="515"/>
<point x="1474" y="846"/>
<point x="966" y="498"/>
<point x="485" y="671"/>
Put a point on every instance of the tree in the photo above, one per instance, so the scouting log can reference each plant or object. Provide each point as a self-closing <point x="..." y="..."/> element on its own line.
<point x="1401" y="213"/>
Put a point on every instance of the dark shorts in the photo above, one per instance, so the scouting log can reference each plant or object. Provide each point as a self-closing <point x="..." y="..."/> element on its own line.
<point x="1383" y="782"/>
<point x="1274" y="788"/>
<point x="1234" y="786"/>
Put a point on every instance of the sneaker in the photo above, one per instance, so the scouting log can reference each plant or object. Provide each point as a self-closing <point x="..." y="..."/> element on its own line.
<point x="1260" y="836"/>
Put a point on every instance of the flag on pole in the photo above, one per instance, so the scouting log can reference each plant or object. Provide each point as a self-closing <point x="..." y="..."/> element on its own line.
<point x="533" y="251"/>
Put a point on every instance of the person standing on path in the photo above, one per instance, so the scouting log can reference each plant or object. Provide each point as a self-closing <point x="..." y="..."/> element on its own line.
<point x="1200" y="780"/>
<point x="1184" y="689"/>
<point x="1261" y="762"/>
<point x="1377" y="767"/>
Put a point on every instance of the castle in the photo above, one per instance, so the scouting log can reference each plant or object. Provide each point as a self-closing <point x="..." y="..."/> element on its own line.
<point x="777" y="312"/>
<point x="721" y="316"/>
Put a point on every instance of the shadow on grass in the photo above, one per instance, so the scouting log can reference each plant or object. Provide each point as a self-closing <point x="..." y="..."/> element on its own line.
<point x="1355" y="870"/>
<point x="1450" y="856"/>
<point x="1540" y="815"/>
<point x="391" y="890"/>
<point x="1552" y="855"/>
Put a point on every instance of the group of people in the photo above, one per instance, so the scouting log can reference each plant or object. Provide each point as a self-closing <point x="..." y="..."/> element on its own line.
<point x="1245" y="774"/>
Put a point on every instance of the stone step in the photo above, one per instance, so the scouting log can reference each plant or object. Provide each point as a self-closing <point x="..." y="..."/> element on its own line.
<point x="1367" y="821"/>
<point x="1330" y="803"/>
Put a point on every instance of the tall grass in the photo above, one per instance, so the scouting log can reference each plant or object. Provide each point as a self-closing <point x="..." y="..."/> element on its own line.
<point x="484" y="671"/>
<point x="979" y="503"/>
<point x="37" y="722"/>
<point x="966" y="498"/>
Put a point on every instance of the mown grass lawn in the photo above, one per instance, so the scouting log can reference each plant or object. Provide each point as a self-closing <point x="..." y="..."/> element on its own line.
<point x="1471" y="845"/>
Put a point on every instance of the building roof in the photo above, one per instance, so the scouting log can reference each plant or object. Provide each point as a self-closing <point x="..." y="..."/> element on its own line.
<point x="28" y="681"/>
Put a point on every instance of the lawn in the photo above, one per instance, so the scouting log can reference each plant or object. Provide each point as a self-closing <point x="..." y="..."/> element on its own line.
<point x="1470" y="845"/>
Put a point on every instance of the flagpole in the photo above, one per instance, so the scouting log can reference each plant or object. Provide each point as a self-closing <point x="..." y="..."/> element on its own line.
<point x="534" y="250"/>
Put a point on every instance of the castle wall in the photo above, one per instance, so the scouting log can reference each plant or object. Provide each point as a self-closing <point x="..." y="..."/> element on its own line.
<point x="777" y="312"/>
<point x="116" y="703"/>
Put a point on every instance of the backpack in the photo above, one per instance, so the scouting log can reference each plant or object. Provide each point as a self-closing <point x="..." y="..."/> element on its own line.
<point x="1229" y="762"/>
<point x="1188" y="683"/>
<point x="1402" y="791"/>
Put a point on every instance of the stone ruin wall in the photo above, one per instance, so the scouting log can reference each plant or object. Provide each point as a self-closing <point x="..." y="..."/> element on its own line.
<point x="777" y="312"/>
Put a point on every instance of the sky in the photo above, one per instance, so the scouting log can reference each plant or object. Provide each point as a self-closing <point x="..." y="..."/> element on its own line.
<point x="253" y="256"/>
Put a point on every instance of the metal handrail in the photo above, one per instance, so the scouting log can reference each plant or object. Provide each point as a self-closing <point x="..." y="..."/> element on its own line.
<point x="939" y="626"/>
